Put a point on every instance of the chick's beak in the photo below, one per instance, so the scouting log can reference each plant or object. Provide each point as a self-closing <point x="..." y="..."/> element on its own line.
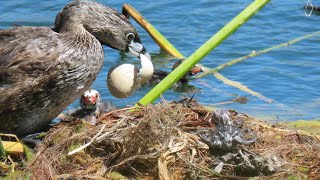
<point x="90" y="100"/>
<point x="136" y="49"/>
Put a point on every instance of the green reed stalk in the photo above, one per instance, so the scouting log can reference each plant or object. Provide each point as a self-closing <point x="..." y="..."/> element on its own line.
<point x="205" y="49"/>
<point x="254" y="54"/>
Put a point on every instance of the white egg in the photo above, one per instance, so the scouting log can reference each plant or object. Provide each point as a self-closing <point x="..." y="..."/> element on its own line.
<point x="122" y="80"/>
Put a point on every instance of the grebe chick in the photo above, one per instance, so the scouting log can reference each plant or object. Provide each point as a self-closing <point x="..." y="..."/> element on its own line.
<point x="159" y="75"/>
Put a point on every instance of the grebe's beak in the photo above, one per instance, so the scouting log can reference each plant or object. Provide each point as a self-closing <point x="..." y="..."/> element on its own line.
<point x="136" y="48"/>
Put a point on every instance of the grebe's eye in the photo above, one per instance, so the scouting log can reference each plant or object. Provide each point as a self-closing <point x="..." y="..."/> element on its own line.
<point x="130" y="36"/>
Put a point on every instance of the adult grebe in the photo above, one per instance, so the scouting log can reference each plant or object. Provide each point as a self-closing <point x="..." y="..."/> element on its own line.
<point x="43" y="70"/>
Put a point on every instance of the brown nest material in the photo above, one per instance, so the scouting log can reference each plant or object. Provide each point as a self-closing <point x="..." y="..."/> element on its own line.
<point x="161" y="142"/>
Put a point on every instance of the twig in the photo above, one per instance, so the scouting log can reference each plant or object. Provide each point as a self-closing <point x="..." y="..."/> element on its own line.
<point x="254" y="54"/>
<point x="215" y="89"/>
<point x="153" y="32"/>
<point x="114" y="128"/>
<point x="132" y="158"/>
<point x="123" y="109"/>
<point x="2" y="150"/>
<point x="241" y="87"/>
<point x="203" y="169"/>
<point x="89" y="143"/>
<point x="4" y="167"/>
<point x="12" y="164"/>
<point x="300" y="132"/>
<point x="241" y="100"/>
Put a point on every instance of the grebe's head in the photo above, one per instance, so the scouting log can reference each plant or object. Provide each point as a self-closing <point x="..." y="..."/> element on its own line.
<point x="106" y="24"/>
<point x="193" y="71"/>
<point x="90" y="99"/>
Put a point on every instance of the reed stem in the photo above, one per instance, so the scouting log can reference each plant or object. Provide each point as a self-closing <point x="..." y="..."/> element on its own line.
<point x="164" y="44"/>
<point x="254" y="54"/>
<point x="205" y="49"/>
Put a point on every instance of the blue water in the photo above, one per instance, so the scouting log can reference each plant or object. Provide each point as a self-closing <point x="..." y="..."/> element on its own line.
<point x="289" y="76"/>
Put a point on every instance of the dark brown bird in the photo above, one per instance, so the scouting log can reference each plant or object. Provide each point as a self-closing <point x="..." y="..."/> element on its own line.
<point x="43" y="70"/>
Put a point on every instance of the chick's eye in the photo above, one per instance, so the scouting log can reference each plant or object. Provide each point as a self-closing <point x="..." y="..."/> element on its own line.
<point x="130" y="36"/>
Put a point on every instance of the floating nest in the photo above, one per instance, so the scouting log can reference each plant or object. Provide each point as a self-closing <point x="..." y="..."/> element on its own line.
<point x="165" y="141"/>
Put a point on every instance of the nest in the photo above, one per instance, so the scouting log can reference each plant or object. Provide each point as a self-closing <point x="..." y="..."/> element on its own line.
<point x="162" y="142"/>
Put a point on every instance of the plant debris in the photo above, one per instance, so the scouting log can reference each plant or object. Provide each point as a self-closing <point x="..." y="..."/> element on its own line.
<point x="177" y="140"/>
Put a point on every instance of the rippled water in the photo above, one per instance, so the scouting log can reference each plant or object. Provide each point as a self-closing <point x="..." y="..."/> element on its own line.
<point x="290" y="76"/>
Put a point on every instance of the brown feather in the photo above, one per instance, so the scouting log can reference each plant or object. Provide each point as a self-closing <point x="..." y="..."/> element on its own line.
<point x="43" y="70"/>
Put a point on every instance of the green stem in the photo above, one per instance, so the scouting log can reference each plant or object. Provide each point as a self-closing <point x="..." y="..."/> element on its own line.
<point x="2" y="150"/>
<point x="205" y="49"/>
<point x="254" y="54"/>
